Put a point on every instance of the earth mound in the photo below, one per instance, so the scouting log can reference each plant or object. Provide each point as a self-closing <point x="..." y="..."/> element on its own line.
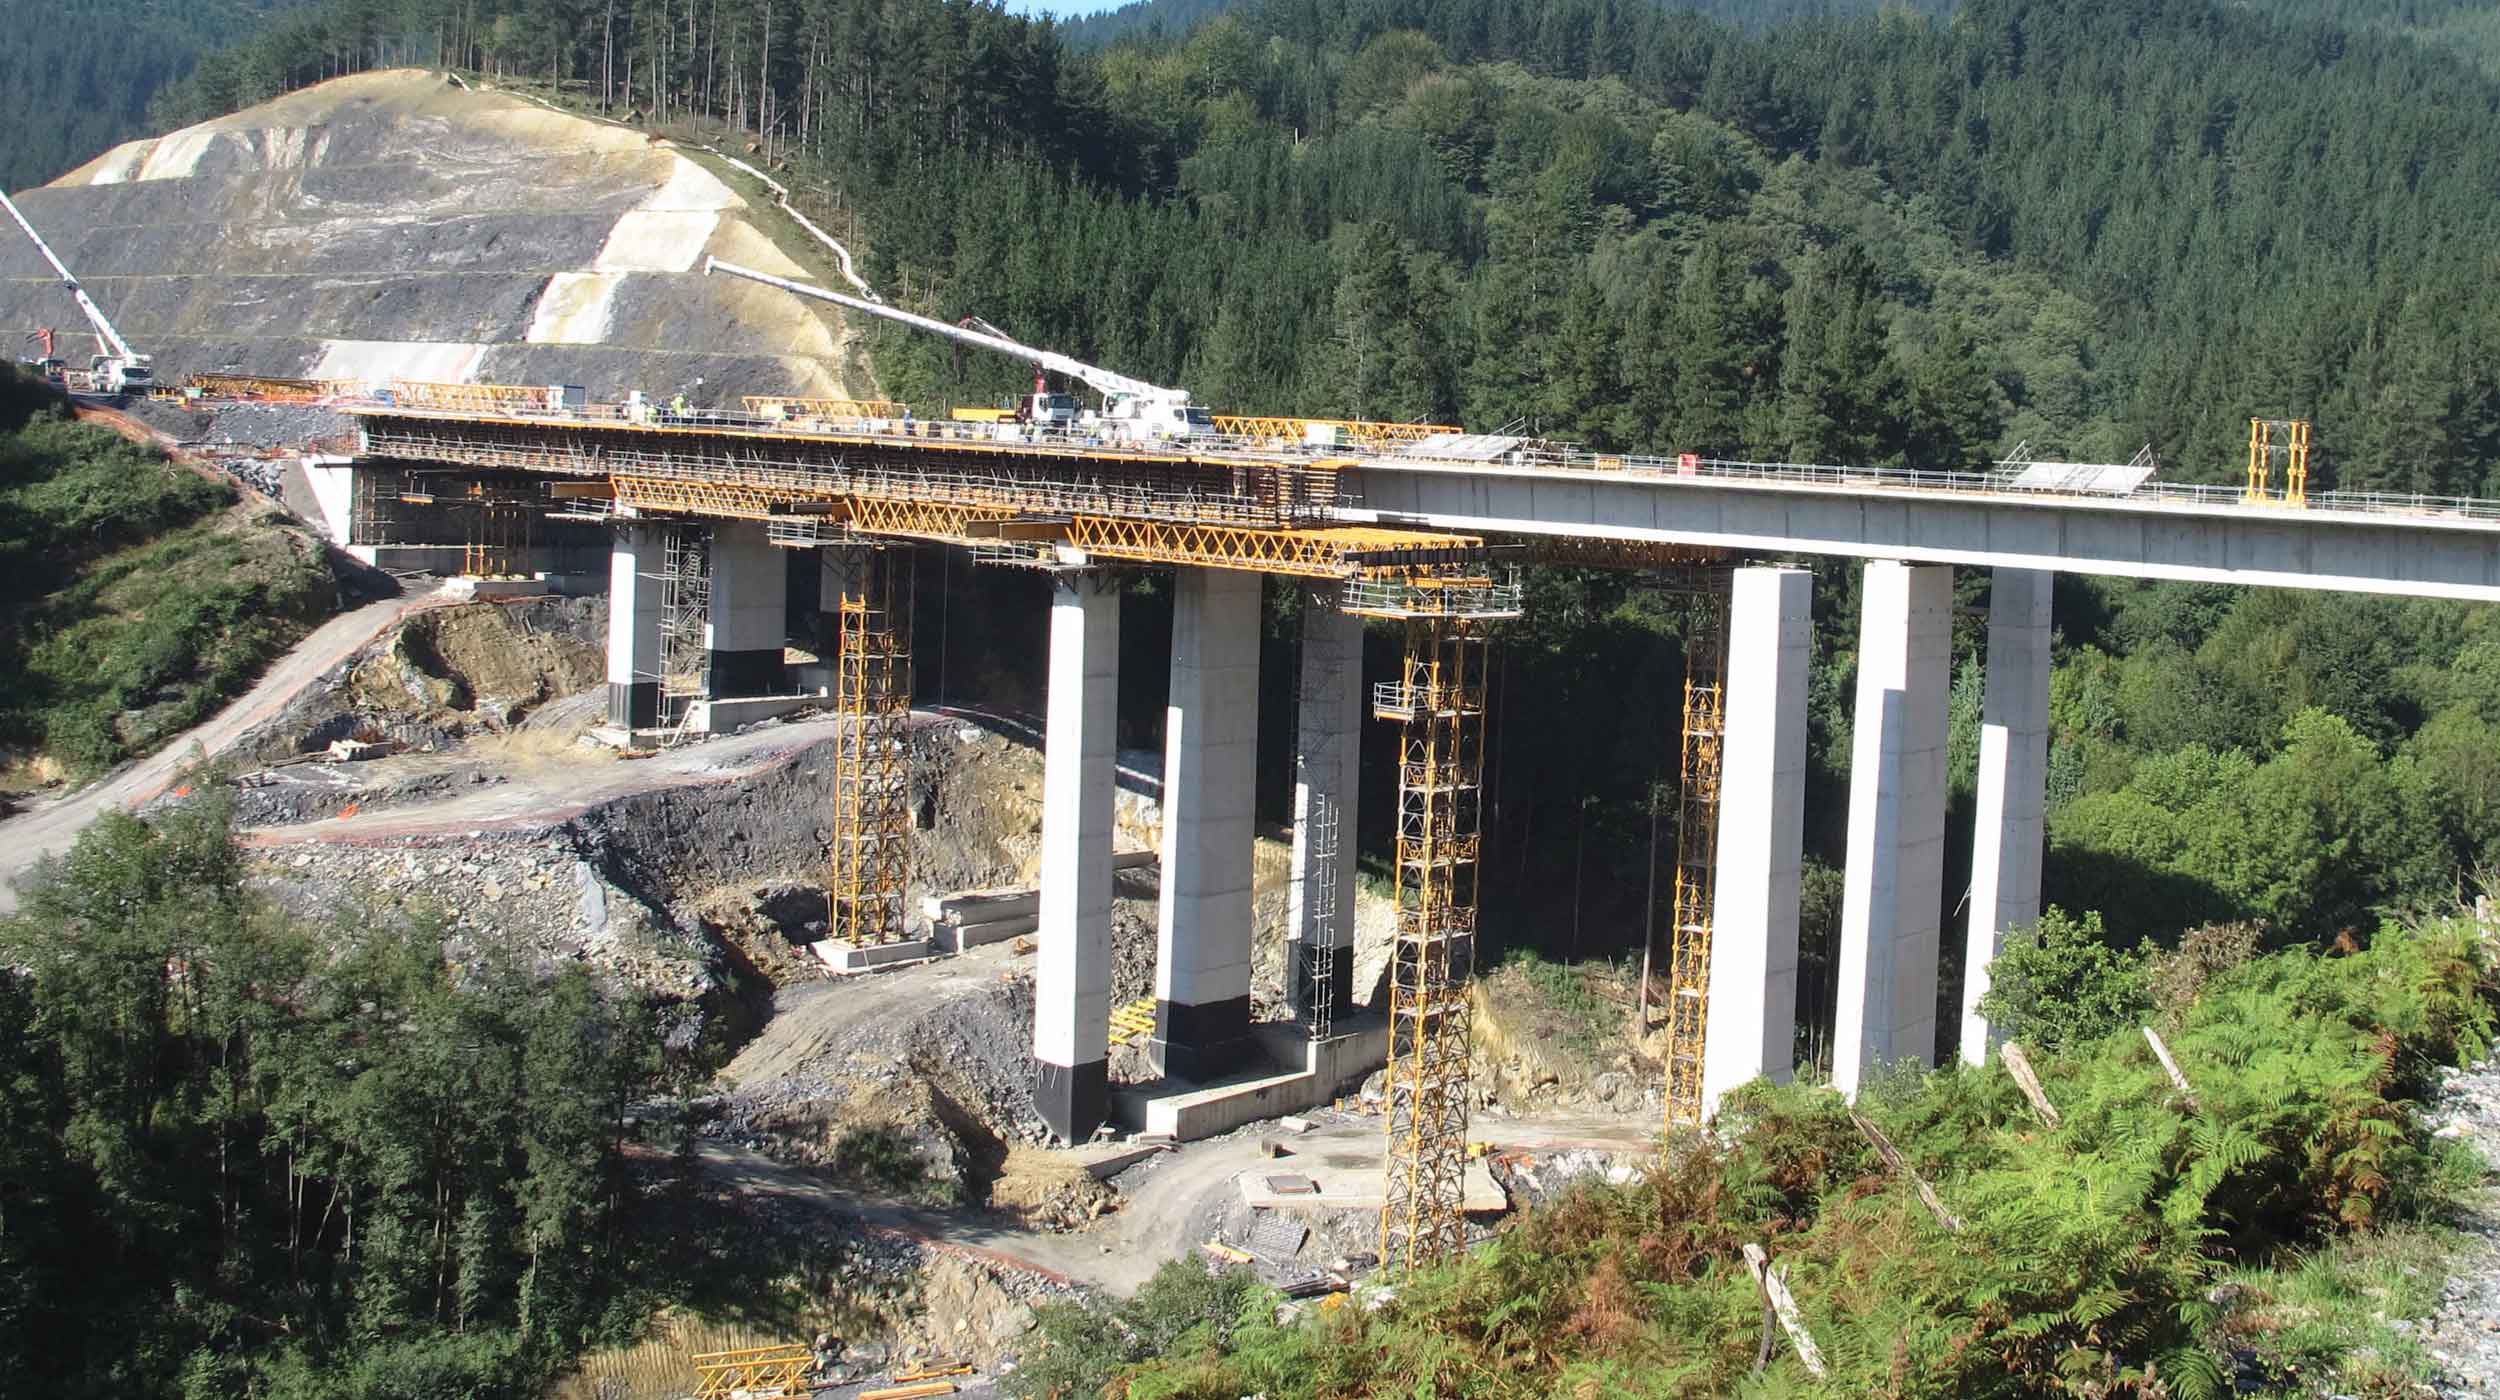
<point x="400" y="224"/>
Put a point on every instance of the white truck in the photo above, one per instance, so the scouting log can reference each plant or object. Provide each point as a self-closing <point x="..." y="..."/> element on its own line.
<point x="115" y="369"/>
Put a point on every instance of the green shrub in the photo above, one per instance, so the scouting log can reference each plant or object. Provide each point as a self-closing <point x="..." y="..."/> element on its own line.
<point x="2090" y="1253"/>
<point x="2060" y="985"/>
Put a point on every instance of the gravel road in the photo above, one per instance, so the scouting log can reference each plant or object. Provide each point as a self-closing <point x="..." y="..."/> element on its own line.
<point x="49" y="828"/>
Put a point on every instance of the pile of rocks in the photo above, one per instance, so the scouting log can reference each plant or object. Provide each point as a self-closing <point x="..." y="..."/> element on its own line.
<point x="533" y="895"/>
<point x="2463" y="1336"/>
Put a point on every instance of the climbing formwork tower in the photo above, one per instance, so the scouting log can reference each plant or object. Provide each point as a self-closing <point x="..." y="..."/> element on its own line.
<point x="2284" y="441"/>
<point x="872" y="751"/>
<point x="1696" y="842"/>
<point x="1438" y="701"/>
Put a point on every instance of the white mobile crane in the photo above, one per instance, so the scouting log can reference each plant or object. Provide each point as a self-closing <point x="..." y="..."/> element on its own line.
<point x="1133" y="410"/>
<point x="115" y="369"/>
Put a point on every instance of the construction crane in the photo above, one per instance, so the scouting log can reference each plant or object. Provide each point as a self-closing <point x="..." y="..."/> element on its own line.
<point x="45" y="363"/>
<point x="1133" y="410"/>
<point x="115" y="369"/>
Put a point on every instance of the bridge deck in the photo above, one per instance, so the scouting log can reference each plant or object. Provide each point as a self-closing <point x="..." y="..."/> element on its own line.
<point x="1001" y="473"/>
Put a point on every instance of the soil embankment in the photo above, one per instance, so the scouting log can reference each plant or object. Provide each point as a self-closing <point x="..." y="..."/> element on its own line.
<point x="399" y="224"/>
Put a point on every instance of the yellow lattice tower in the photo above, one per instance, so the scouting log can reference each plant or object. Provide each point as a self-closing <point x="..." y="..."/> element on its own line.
<point x="1696" y="849"/>
<point x="2278" y="439"/>
<point x="872" y="750"/>
<point x="1438" y="700"/>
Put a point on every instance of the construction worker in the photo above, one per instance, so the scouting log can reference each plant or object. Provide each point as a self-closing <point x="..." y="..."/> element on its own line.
<point x="677" y="409"/>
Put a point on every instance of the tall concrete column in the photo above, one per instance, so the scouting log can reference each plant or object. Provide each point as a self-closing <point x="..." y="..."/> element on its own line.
<point x="1892" y="902"/>
<point x="1319" y="966"/>
<point x="634" y="563"/>
<point x="1080" y="758"/>
<point x="1762" y="812"/>
<point x="2013" y="785"/>
<point x="1210" y="771"/>
<point x="744" y="631"/>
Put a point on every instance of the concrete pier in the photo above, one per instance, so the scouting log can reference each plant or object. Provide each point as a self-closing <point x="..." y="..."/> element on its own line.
<point x="1893" y="898"/>
<point x="2013" y="785"/>
<point x="1762" y="805"/>
<point x="1080" y="757"/>
<point x="634" y="564"/>
<point x="1210" y="762"/>
<point x="744" y="632"/>
<point x="1328" y="747"/>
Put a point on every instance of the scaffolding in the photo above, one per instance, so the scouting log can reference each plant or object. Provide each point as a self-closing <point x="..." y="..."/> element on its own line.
<point x="1438" y="700"/>
<point x="872" y="804"/>
<point x="1322" y="920"/>
<point x="685" y="587"/>
<point x="2283" y="440"/>
<point x="497" y="539"/>
<point x="1696" y="845"/>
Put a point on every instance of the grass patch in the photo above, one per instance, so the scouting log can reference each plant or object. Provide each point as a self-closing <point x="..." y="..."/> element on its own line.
<point x="1584" y="1017"/>
<point x="2324" y="1321"/>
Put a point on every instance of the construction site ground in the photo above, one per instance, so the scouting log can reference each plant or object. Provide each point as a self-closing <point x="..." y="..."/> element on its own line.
<point x="695" y="875"/>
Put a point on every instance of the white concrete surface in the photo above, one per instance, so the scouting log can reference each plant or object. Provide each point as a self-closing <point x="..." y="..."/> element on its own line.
<point x="635" y="560"/>
<point x="1327" y="785"/>
<point x="842" y="955"/>
<point x="2011" y="818"/>
<point x="1072" y="972"/>
<point x="722" y="716"/>
<point x="750" y="589"/>
<point x="1210" y="761"/>
<point x="2426" y="555"/>
<point x="1892" y="902"/>
<point x="332" y="481"/>
<point x="1762" y="808"/>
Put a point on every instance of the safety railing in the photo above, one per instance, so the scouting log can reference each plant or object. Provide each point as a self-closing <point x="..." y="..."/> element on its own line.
<point x="1103" y="441"/>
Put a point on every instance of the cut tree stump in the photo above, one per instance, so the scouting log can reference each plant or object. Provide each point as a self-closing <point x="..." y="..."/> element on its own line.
<point x="2018" y="1065"/>
<point x="1901" y="1168"/>
<point x="1774" y="1286"/>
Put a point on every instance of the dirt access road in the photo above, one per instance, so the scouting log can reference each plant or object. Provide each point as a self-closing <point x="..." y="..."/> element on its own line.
<point x="51" y="827"/>
<point x="546" y="794"/>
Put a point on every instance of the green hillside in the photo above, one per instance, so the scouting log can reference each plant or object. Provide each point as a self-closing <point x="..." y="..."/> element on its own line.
<point x="134" y="597"/>
<point x="79" y="81"/>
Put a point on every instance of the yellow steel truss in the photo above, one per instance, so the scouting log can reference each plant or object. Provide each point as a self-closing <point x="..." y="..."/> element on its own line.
<point x="469" y="398"/>
<point x="778" y="406"/>
<point x="1133" y="1022"/>
<point x="761" y="1372"/>
<point x="872" y="749"/>
<point x="2288" y="440"/>
<point x="1324" y="553"/>
<point x="1328" y="552"/>
<point x="1349" y="431"/>
<point x="1696" y="851"/>
<point x="1438" y="702"/>
<point x="261" y="386"/>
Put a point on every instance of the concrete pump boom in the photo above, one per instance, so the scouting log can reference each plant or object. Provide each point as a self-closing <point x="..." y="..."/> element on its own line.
<point x="1106" y="382"/>
<point x="112" y="340"/>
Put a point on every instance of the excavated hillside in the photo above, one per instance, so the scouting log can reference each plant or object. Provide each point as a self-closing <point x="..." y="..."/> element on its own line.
<point x="400" y="224"/>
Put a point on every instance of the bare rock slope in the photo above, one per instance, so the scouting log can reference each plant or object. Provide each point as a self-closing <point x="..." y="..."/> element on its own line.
<point x="399" y="224"/>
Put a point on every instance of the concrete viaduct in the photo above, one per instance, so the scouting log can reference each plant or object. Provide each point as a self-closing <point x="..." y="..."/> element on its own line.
<point x="1913" y="531"/>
